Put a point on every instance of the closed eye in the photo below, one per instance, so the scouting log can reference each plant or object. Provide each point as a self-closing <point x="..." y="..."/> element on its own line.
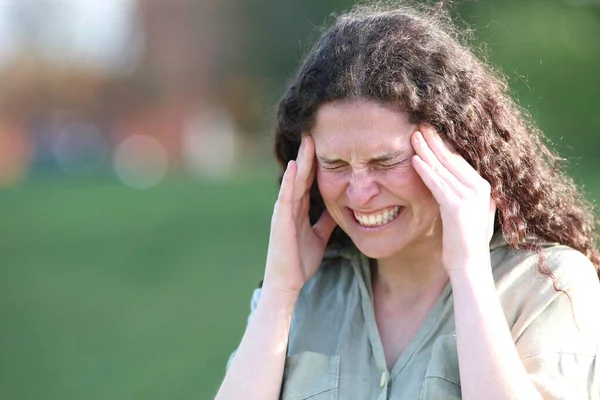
<point x="392" y="164"/>
<point x="332" y="167"/>
<point x="388" y="165"/>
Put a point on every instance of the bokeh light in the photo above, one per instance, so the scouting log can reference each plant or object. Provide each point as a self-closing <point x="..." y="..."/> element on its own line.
<point x="210" y="144"/>
<point x="80" y="149"/>
<point x="140" y="162"/>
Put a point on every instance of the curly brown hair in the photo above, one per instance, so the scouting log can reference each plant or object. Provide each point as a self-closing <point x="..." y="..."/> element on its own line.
<point x="416" y="58"/>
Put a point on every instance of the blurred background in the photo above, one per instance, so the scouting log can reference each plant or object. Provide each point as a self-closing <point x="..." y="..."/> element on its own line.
<point x="137" y="180"/>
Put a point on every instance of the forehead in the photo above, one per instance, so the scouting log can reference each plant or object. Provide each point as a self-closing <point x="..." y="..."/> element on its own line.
<point x="364" y="124"/>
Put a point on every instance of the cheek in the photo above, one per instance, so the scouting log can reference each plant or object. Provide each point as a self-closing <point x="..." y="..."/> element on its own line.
<point x="419" y="188"/>
<point x="421" y="197"/>
<point x="331" y="186"/>
<point x="408" y="180"/>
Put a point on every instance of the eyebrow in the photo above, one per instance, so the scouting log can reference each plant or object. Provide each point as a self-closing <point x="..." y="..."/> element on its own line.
<point x="381" y="158"/>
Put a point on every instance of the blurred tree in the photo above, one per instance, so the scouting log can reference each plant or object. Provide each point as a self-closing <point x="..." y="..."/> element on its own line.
<point x="549" y="50"/>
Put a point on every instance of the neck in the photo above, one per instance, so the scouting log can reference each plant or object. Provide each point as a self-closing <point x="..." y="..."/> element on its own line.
<point x="413" y="274"/>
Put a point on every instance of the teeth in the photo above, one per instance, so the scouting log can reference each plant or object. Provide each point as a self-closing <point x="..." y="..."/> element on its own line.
<point x="378" y="219"/>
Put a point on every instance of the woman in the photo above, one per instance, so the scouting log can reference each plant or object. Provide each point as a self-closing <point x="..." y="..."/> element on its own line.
<point x="424" y="244"/>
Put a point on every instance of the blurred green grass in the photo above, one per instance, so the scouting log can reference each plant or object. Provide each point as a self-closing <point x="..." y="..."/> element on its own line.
<point x="111" y="293"/>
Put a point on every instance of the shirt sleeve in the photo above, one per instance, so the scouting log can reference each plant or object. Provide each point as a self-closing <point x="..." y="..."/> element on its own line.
<point x="560" y="347"/>
<point x="253" y="304"/>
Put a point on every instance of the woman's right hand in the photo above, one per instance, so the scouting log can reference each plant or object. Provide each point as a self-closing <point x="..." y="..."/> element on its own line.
<point x="296" y="247"/>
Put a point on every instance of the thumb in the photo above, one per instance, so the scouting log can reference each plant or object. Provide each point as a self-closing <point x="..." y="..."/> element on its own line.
<point x="324" y="226"/>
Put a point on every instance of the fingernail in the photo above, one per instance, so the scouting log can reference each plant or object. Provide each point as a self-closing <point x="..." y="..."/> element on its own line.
<point x="418" y="136"/>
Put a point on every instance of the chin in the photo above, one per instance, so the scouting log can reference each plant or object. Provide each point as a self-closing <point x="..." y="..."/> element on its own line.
<point x="379" y="250"/>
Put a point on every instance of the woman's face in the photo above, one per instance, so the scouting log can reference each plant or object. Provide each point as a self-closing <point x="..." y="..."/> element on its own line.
<point x="365" y="176"/>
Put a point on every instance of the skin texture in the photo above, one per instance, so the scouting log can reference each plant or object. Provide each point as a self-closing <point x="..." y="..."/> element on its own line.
<point x="367" y="162"/>
<point x="296" y="247"/>
<point x="466" y="208"/>
<point x="364" y="164"/>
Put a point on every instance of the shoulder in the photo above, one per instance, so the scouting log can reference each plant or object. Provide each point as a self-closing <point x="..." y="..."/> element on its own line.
<point x="571" y="268"/>
<point x="557" y="267"/>
<point x="551" y="309"/>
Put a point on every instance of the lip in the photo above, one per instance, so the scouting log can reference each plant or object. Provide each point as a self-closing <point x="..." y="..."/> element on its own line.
<point x="350" y="213"/>
<point x="375" y="211"/>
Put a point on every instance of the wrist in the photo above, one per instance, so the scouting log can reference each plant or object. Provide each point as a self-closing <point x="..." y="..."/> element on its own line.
<point x="472" y="268"/>
<point x="279" y="296"/>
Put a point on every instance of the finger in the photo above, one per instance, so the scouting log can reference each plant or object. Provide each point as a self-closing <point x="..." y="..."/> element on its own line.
<point x="426" y="155"/>
<point x="492" y="219"/>
<point x="312" y="154"/>
<point x="286" y="190"/>
<point x="324" y="226"/>
<point x="305" y="167"/>
<point x="312" y="174"/>
<point x="450" y="159"/>
<point x="438" y="186"/>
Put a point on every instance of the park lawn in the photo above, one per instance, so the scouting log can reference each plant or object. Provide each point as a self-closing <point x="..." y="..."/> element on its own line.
<point x="111" y="293"/>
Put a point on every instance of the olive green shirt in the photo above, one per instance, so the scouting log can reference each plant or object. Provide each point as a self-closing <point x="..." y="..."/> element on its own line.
<point x="335" y="351"/>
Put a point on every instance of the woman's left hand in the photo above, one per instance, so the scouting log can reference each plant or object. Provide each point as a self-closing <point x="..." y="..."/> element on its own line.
<point x="466" y="207"/>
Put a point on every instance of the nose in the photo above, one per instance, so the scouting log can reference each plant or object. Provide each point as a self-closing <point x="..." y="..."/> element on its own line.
<point x="361" y="189"/>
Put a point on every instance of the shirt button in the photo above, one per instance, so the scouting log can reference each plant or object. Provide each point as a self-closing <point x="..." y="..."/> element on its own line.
<point x="383" y="380"/>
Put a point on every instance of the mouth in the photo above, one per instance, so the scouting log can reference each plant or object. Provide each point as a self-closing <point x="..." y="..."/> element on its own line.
<point x="379" y="218"/>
